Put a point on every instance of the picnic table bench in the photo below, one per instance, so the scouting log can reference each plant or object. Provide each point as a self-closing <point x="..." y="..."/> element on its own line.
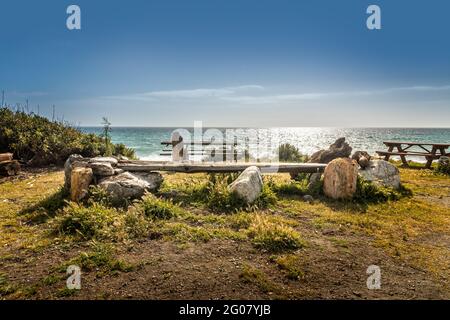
<point x="431" y="151"/>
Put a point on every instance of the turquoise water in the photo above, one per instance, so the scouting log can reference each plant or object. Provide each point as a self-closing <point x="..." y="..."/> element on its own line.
<point x="147" y="141"/>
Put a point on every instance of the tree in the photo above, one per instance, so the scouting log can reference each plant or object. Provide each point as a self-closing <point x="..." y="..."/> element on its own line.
<point x="106" y="135"/>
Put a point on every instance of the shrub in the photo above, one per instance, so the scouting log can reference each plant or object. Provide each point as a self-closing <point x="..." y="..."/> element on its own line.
<point x="273" y="237"/>
<point x="368" y="192"/>
<point x="100" y="256"/>
<point x="251" y="274"/>
<point x="41" y="141"/>
<point x="220" y="198"/>
<point x="289" y="153"/>
<point x="298" y="187"/>
<point x="135" y="224"/>
<point x="157" y="208"/>
<point x="291" y="188"/>
<point x="90" y="222"/>
<point x="98" y="196"/>
<point x="443" y="167"/>
<point x="290" y="265"/>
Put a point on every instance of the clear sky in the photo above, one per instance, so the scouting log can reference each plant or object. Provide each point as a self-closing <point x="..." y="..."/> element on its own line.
<point x="230" y="62"/>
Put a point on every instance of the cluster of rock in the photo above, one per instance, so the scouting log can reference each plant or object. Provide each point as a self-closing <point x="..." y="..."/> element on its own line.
<point x="339" y="149"/>
<point x="341" y="174"/>
<point x="339" y="178"/>
<point x="81" y="172"/>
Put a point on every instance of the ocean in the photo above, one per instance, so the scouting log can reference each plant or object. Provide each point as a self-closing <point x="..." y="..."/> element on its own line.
<point x="147" y="141"/>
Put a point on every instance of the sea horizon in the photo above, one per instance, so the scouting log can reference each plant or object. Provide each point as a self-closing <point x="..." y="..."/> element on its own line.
<point x="146" y="141"/>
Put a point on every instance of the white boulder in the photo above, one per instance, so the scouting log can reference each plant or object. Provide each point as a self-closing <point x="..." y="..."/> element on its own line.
<point x="127" y="185"/>
<point x="102" y="168"/>
<point x="110" y="160"/>
<point x="248" y="185"/>
<point x="381" y="173"/>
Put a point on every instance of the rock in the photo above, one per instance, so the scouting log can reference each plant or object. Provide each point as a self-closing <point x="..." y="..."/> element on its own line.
<point x="154" y="179"/>
<point x="130" y="186"/>
<point x="68" y="165"/>
<point x="122" y="158"/>
<point x="118" y="171"/>
<point x="362" y="157"/>
<point x="314" y="179"/>
<point x="308" y="198"/>
<point x="363" y="162"/>
<point x="339" y="149"/>
<point x="358" y="154"/>
<point x="101" y="168"/>
<point x="248" y="185"/>
<point x="81" y="178"/>
<point x="111" y="160"/>
<point x="381" y="173"/>
<point x="340" y="178"/>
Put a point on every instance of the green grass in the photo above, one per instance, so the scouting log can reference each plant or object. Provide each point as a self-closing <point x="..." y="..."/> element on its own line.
<point x="6" y="288"/>
<point x="157" y="208"/>
<point x="411" y="227"/>
<point x="253" y="275"/>
<point x="290" y="265"/>
<point x="87" y="223"/>
<point x="368" y="192"/>
<point x="101" y="256"/>
<point x="47" y="207"/>
<point x="273" y="237"/>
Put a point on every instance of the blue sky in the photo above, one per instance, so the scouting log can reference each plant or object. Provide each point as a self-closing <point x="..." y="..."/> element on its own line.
<point x="230" y="63"/>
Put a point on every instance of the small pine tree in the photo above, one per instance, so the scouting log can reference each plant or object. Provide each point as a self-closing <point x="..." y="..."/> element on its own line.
<point x="106" y="135"/>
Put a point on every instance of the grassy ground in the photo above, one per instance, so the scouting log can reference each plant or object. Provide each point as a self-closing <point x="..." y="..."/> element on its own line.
<point x="183" y="245"/>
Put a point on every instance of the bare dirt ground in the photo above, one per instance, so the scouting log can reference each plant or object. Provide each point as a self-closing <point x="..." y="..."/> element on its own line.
<point x="332" y="265"/>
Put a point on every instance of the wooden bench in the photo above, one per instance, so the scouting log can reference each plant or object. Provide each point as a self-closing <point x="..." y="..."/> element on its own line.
<point x="430" y="151"/>
<point x="218" y="150"/>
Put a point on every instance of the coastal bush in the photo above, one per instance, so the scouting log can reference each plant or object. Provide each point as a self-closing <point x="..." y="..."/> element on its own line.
<point x="368" y="192"/>
<point x="39" y="141"/>
<point x="299" y="186"/>
<point x="157" y="208"/>
<point x="220" y="198"/>
<point x="443" y="167"/>
<point x="101" y="256"/>
<point x="86" y="222"/>
<point x="289" y="153"/>
<point x="99" y="222"/>
<point x="290" y="265"/>
<point x="273" y="237"/>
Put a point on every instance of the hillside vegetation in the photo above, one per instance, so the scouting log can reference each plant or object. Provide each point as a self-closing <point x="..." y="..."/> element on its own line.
<point x="38" y="141"/>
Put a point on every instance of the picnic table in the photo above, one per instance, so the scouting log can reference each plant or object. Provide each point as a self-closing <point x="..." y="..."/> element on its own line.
<point x="431" y="151"/>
